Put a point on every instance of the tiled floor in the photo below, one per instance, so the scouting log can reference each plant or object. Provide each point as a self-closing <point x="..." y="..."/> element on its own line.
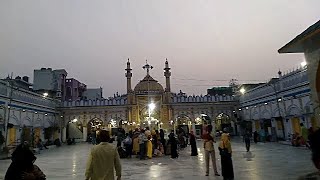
<point x="270" y="161"/>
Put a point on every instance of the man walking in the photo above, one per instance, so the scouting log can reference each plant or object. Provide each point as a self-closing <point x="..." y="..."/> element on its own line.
<point x="208" y="140"/>
<point x="246" y="138"/>
<point x="103" y="160"/>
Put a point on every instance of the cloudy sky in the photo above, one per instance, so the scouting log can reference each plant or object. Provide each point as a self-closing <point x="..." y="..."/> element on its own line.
<point x="207" y="42"/>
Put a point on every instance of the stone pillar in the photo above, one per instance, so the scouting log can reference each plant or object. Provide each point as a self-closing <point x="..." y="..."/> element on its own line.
<point x="287" y="127"/>
<point x="253" y="125"/>
<point x="64" y="134"/>
<point x="8" y="136"/>
<point x="6" y="121"/>
<point x="85" y="133"/>
<point x="42" y="133"/>
<point x="174" y="126"/>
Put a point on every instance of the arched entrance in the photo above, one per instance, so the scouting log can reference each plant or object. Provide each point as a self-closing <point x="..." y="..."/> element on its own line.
<point x="201" y="123"/>
<point x="184" y="123"/>
<point x="115" y="123"/>
<point x="223" y="121"/>
<point x="74" y="129"/>
<point x="150" y="113"/>
<point x="94" y="125"/>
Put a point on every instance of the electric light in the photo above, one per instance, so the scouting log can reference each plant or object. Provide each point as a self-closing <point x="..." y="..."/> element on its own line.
<point x="242" y="90"/>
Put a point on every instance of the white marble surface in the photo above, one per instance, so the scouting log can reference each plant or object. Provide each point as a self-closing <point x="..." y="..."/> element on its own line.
<point x="267" y="161"/>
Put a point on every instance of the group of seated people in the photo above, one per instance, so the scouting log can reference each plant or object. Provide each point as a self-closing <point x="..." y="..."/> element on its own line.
<point x="143" y="143"/>
<point x="302" y="139"/>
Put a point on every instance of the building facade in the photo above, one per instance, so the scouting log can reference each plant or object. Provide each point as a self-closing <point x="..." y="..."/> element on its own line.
<point x="50" y="81"/>
<point x="279" y="106"/>
<point x="74" y="89"/>
<point x="19" y="82"/>
<point x="149" y="104"/>
<point x="26" y="116"/>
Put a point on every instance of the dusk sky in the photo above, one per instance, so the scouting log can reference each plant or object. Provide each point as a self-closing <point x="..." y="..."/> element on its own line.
<point x="207" y="42"/>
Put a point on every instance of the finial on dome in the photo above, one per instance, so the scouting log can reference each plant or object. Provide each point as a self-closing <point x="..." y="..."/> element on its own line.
<point x="279" y="73"/>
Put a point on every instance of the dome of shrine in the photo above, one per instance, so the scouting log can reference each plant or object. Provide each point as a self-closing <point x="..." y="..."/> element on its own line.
<point x="148" y="84"/>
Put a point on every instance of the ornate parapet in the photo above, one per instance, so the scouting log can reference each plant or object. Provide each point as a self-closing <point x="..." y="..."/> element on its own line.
<point x="201" y="99"/>
<point x="103" y="102"/>
<point x="20" y="95"/>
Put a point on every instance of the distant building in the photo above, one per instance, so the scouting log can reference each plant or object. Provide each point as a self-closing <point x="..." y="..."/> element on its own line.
<point x="148" y="104"/>
<point x="279" y="106"/>
<point x="50" y="81"/>
<point x="19" y="82"/>
<point x="74" y="89"/>
<point x="220" y="91"/>
<point x="93" y="93"/>
<point x="26" y="115"/>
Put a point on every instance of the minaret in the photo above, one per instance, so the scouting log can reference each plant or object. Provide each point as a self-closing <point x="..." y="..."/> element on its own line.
<point x="128" y="75"/>
<point x="167" y="74"/>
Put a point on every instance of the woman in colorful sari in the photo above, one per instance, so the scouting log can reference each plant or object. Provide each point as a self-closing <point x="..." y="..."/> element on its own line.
<point x="226" y="154"/>
<point x="149" y="148"/>
<point x="135" y="142"/>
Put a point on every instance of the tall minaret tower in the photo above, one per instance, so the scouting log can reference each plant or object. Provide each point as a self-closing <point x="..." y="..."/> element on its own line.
<point x="129" y="76"/>
<point x="167" y="74"/>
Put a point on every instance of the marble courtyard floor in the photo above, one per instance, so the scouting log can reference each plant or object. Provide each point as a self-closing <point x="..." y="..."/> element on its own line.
<point x="267" y="161"/>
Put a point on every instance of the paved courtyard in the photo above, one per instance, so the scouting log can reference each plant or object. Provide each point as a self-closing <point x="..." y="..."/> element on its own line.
<point x="268" y="161"/>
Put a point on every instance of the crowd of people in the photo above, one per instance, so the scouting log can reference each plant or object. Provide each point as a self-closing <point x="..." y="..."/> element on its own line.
<point x="299" y="138"/>
<point x="104" y="157"/>
<point x="146" y="143"/>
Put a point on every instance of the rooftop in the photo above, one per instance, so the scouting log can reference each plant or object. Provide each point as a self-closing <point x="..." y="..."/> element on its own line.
<point x="297" y="45"/>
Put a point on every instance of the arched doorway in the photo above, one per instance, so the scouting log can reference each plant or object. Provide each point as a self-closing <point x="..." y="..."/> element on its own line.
<point x="94" y="124"/>
<point x="74" y="129"/>
<point x="115" y="123"/>
<point x="223" y="121"/>
<point x="201" y="123"/>
<point x="184" y="123"/>
<point x="150" y="113"/>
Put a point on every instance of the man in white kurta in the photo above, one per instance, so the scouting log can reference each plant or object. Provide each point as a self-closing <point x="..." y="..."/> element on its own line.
<point x="103" y="160"/>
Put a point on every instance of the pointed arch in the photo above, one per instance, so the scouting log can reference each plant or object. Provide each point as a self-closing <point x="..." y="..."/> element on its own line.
<point x="293" y="110"/>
